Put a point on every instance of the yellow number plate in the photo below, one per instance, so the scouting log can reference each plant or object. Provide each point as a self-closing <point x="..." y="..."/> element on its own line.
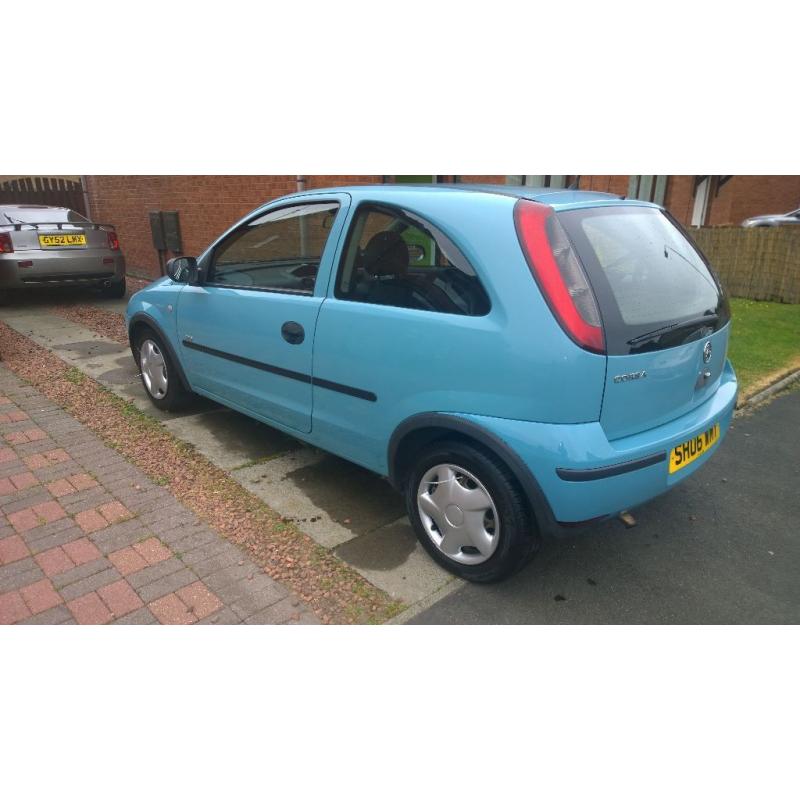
<point x="62" y="239"/>
<point x="687" y="452"/>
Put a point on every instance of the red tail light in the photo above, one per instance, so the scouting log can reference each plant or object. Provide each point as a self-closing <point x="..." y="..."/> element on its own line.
<point x="558" y="272"/>
<point x="6" y="245"/>
<point x="113" y="242"/>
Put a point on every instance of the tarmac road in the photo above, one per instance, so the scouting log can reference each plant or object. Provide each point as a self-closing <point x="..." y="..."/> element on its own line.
<point x="722" y="547"/>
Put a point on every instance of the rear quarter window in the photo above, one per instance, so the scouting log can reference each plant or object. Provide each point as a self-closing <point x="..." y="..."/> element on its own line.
<point x="395" y="258"/>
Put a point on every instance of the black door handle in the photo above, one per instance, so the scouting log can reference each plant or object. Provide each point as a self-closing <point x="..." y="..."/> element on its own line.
<point x="293" y="332"/>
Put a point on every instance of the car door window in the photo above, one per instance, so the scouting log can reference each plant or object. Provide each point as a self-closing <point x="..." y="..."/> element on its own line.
<point x="395" y="258"/>
<point x="279" y="251"/>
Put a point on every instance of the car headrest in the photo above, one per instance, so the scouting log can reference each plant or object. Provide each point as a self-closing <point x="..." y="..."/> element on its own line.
<point x="386" y="254"/>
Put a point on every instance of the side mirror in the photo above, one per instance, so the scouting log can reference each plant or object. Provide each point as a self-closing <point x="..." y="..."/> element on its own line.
<point x="180" y="268"/>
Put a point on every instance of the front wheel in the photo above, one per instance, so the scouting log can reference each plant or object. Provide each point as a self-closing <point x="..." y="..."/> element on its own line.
<point x="469" y="513"/>
<point x="159" y="374"/>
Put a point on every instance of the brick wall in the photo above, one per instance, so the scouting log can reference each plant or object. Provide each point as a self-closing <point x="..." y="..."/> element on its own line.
<point x="482" y="179"/>
<point x="740" y="197"/>
<point x="615" y="184"/>
<point x="679" y="199"/>
<point x="208" y="205"/>
<point x="746" y="196"/>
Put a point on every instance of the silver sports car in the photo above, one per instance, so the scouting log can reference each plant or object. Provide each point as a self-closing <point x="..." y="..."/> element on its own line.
<point x="49" y="246"/>
<point x="773" y="220"/>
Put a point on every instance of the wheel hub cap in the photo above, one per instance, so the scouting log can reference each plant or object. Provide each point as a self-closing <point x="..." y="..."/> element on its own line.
<point x="454" y="515"/>
<point x="154" y="369"/>
<point x="458" y="514"/>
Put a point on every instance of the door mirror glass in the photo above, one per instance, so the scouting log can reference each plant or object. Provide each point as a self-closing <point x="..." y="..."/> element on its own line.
<point x="180" y="267"/>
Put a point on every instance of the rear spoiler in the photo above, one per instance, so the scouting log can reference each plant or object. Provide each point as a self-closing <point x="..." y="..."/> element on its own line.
<point x="97" y="226"/>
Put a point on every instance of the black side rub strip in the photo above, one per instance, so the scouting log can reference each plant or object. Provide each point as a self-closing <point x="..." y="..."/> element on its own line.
<point x="362" y="394"/>
<point x="607" y="472"/>
<point x="248" y="362"/>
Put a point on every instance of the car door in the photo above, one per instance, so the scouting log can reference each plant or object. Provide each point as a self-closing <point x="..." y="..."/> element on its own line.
<point x="247" y="334"/>
<point x="405" y="324"/>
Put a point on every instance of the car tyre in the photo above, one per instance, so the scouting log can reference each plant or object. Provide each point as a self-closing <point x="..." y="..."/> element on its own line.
<point x="507" y="534"/>
<point x="158" y="372"/>
<point x="114" y="291"/>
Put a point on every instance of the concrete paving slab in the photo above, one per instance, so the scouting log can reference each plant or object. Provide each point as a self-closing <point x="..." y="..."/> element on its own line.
<point x="96" y="364"/>
<point x="121" y="376"/>
<point x="229" y="439"/>
<point x="358" y="499"/>
<point x="392" y="559"/>
<point x="116" y="306"/>
<point x="93" y="347"/>
<point x="269" y="482"/>
<point x="118" y="376"/>
<point x="47" y="328"/>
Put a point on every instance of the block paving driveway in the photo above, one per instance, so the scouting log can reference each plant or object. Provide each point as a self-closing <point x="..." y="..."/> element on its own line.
<point x="345" y="509"/>
<point x="85" y="537"/>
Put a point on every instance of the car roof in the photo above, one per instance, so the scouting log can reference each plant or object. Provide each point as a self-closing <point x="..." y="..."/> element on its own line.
<point x="559" y="199"/>
<point x="32" y="205"/>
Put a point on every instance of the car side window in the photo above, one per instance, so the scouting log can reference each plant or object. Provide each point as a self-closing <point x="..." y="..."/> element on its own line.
<point x="395" y="258"/>
<point x="279" y="251"/>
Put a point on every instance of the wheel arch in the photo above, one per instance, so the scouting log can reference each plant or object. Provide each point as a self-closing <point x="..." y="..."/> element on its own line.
<point x="139" y="322"/>
<point x="422" y="430"/>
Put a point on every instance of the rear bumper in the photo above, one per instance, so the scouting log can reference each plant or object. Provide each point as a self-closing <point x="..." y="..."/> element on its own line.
<point x="35" y="268"/>
<point x="584" y="476"/>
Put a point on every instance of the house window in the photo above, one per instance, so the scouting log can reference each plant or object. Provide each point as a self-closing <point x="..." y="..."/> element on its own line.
<point x="413" y="179"/>
<point x="652" y="188"/>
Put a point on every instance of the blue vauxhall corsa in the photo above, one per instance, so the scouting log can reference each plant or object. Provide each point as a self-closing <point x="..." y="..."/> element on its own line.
<point x="515" y="360"/>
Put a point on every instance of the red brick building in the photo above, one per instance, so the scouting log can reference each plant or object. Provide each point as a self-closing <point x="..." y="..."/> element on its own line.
<point x="209" y="204"/>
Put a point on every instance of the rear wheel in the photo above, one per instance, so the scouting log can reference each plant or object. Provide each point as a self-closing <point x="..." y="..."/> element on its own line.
<point x="469" y="513"/>
<point x="159" y="375"/>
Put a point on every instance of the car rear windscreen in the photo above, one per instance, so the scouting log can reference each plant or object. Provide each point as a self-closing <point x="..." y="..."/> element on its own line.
<point x="653" y="286"/>
<point x="34" y="214"/>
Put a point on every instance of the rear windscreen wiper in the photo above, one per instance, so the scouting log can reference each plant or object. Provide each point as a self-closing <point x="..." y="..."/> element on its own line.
<point x="705" y="320"/>
<point x="17" y="221"/>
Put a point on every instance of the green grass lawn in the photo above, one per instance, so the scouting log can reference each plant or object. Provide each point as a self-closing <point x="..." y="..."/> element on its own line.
<point x="765" y="339"/>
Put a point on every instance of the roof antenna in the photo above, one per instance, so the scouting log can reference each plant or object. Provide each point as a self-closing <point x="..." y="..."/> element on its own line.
<point x="576" y="184"/>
